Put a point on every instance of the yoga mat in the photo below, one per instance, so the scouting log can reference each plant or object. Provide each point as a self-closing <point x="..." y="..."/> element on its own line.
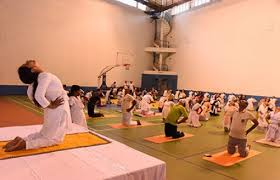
<point x="121" y="126"/>
<point x="162" y="138"/>
<point x="263" y="141"/>
<point x="71" y="141"/>
<point x="225" y="159"/>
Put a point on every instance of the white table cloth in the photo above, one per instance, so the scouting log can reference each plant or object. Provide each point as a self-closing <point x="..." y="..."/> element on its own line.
<point x="114" y="161"/>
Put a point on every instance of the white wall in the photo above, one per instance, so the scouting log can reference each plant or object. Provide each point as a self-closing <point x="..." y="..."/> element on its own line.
<point x="73" y="39"/>
<point x="231" y="46"/>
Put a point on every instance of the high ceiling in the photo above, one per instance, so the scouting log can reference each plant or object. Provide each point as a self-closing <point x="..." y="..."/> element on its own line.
<point x="157" y="6"/>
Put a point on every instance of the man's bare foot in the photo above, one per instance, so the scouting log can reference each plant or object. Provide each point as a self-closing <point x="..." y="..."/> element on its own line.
<point x="21" y="144"/>
<point x="12" y="142"/>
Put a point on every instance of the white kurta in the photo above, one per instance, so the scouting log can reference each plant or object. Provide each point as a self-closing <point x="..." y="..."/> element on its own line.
<point x="190" y="94"/>
<point x="161" y="101"/>
<point x="182" y="95"/>
<point x="193" y="119"/>
<point x="272" y="104"/>
<point x="262" y="114"/>
<point x="166" y="108"/>
<point x="251" y="102"/>
<point x="227" y="116"/>
<point x="56" y="121"/>
<point x="145" y="104"/>
<point x="273" y="133"/>
<point x="77" y="111"/>
<point x="177" y="95"/>
<point x="127" y="116"/>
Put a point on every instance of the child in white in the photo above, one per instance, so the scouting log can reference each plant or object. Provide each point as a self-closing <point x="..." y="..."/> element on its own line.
<point x="77" y="106"/>
<point x="193" y="119"/>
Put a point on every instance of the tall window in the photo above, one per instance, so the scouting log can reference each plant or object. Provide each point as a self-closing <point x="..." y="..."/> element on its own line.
<point x="133" y="4"/>
<point x="190" y="5"/>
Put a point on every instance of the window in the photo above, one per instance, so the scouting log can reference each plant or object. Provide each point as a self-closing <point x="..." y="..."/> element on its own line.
<point x="189" y="5"/>
<point x="181" y="8"/>
<point x="133" y="3"/>
<point x="141" y="6"/>
<point x="196" y="3"/>
<point x="129" y="2"/>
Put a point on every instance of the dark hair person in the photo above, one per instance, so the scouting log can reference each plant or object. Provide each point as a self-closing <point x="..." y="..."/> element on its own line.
<point x="46" y="91"/>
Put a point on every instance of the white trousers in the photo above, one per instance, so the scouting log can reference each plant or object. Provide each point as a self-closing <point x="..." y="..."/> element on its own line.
<point x="57" y="122"/>
<point x="127" y="119"/>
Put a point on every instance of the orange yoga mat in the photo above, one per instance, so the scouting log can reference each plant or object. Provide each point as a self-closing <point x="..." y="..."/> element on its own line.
<point x="263" y="141"/>
<point x="225" y="159"/>
<point x="162" y="138"/>
<point x="121" y="126"/>
<point x="70" y="142"/>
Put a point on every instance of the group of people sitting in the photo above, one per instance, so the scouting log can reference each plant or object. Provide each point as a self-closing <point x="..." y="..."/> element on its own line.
<point x="237" y="112"/>
<point x="61" y="110"/>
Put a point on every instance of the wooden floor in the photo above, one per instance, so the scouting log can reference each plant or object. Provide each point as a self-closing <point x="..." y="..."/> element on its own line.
<point x="183" y="158"/>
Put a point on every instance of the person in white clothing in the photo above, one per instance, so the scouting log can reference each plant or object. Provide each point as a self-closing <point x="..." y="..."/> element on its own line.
<point x="125" y="85"/>
<point x="165" y="93"/>
<point x="77" y="106"/>
<point x="190" y="94"/>
<point x="229" y="110"/>
<point x="145" y="104"/>
<point x="177" y="94"/>
<point x="182" y="94"/>
<point x="251" y="102"/>
<point x="272" y="104"/>
<point x="262" y="113"/>
<point x="47" y="92"/>
<point x="206" y="107"/>
<point x="194" y="116"/>
<point x="161" y="102"/>
<point x="273" y="132"/>
<point x="128" y="104"/>
<point x="131" y="86"/>
<point x="167" y="107"/>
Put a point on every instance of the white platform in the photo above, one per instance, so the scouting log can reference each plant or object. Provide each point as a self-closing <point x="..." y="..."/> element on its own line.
<point x="110" y="161"/>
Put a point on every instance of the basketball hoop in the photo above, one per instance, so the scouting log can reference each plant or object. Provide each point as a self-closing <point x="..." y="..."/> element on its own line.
<point x="126" y="66"/>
